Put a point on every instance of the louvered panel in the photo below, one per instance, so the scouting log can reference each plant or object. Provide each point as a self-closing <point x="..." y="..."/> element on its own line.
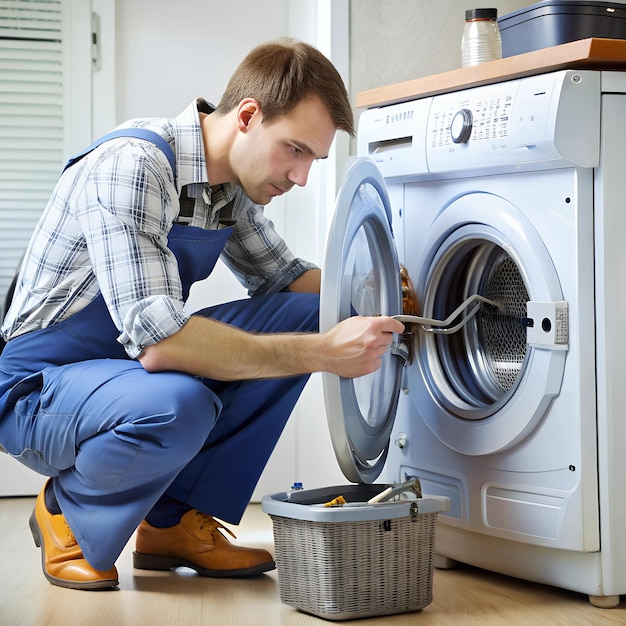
<point x="31" y="19"/>
<point x="32" y="75"/>
<point x="36" y="122"/>
<point x="20" y="51"/>
<point x="32" y="99"/>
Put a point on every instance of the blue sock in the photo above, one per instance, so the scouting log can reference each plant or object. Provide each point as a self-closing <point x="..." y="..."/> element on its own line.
<point x="50" y="500"/>
<point x="167" y="512"/>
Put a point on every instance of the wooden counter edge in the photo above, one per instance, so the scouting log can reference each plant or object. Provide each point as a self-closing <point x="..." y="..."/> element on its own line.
<point x="590" y="53"/>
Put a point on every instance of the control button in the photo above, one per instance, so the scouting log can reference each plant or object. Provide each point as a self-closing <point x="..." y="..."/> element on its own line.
<point x="461" y="126"/>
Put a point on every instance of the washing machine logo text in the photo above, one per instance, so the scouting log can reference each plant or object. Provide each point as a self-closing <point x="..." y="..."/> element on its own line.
<point x="400" y="116"/>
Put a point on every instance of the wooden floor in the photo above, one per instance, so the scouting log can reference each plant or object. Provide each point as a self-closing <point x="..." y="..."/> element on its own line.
<point x="464" y="596"/>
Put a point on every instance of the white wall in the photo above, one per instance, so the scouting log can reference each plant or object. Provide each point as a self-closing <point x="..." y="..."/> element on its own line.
<point x="170" y="52"/>
<point x="396" y="40"/>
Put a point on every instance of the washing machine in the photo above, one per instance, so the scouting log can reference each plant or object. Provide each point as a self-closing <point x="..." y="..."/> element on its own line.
<point x="506" y="204"/>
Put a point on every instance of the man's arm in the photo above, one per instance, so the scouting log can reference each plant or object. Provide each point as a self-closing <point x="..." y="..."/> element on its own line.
<point x="208" y="348"/>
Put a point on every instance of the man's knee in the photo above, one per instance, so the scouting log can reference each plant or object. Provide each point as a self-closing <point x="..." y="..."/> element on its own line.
<point x="187" y="412"/>
<point x="163" y="432"/>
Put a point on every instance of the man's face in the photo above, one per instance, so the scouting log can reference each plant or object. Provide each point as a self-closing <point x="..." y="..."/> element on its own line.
<point x="268" y="159"/>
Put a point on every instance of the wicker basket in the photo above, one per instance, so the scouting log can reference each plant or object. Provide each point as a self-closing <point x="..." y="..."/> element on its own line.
<point x="353" y="561"/>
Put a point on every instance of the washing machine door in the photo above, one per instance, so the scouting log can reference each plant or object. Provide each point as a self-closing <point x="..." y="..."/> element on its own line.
<point x="361" y="277"/>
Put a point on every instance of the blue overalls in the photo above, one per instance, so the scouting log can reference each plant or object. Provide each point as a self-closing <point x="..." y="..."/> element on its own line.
<point x="115" y="437"/>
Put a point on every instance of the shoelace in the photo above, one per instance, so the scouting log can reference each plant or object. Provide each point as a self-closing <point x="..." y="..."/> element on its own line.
<point x="70" y="539"/>
<point x="210" y="523"/>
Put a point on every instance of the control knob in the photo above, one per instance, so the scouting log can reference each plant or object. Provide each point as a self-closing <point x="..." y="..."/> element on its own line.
<point x="461" y="127"/>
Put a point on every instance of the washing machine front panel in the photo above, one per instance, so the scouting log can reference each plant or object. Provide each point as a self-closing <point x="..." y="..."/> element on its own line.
<point x="361" y="277"/>
<point x="543" y="488"/>
<point x="483" y="388"/>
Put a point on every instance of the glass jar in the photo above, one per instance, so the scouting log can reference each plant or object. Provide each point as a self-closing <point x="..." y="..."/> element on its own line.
<point x="481" y="37"/>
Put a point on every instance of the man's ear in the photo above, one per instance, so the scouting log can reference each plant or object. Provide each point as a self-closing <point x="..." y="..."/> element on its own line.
<point x="248" y="110"/>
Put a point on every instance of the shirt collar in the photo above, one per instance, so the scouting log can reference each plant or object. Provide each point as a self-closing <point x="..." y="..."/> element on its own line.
<point x="190" y="161"/>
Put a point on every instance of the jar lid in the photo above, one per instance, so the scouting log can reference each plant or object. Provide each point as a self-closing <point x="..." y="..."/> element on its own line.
<point x="481" y="14"/>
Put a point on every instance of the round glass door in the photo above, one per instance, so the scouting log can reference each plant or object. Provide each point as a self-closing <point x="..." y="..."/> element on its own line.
<point x="361" y="277"/>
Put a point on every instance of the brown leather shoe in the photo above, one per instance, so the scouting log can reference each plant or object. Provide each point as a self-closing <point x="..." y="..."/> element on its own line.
<point x="61" y="557"/>
<point x="196" y="542"/>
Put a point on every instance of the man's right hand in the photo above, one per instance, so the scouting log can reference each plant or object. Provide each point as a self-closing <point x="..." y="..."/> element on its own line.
<point x="357" y="344"/>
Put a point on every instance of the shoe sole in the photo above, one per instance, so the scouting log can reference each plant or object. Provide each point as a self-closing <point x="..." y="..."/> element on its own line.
<point x="165" y="563"/>
<point x="61" y="582"/>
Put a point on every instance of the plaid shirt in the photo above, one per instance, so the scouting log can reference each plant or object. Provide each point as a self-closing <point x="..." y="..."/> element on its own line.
<point x="105" y="230"/>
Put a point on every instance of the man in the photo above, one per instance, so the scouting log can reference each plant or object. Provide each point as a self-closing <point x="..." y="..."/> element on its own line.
<point x="143" y="416"/>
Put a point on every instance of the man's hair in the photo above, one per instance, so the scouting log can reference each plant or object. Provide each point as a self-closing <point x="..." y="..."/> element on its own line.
<point x="280" y="74"/>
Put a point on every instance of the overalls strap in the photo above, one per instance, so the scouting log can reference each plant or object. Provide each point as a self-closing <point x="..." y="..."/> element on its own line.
<point x="139" y="133"/>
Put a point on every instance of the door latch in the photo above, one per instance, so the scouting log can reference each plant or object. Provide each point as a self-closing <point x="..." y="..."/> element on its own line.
<point x="547" y="324"/>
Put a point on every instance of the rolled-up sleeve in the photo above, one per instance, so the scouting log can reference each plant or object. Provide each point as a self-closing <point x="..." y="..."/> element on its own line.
<point x="150" y="321"/>
<point x="126" y="226"/>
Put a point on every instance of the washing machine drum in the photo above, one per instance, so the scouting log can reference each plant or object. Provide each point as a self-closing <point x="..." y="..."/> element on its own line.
<point x="482" y="362"/>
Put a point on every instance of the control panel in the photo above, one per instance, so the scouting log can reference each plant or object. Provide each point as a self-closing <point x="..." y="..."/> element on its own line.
<point x="550" y="119"/>
<point x="471" y="127"/>
<point x="488" y="121"/>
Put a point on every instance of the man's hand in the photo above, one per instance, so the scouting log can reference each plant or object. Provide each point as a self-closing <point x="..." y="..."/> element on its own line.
<point x="355" y="346"/>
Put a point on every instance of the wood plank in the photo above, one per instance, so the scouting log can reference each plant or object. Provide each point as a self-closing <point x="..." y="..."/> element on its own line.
<point x="590" y="53"/>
